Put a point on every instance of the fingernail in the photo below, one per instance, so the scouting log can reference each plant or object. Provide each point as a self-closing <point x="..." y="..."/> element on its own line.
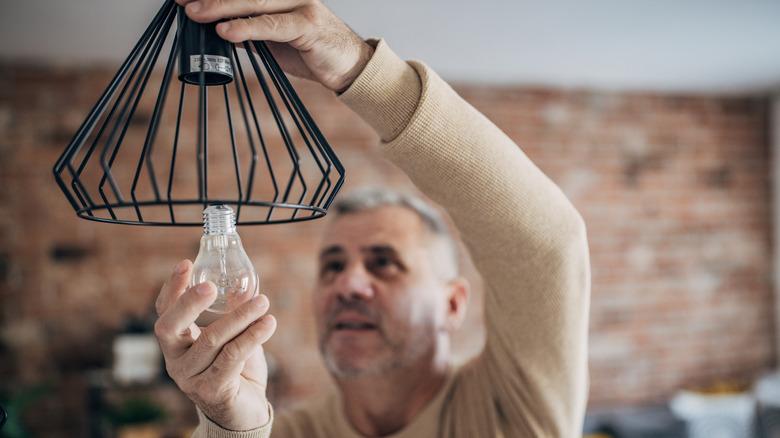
<point x="181" y="267"/>
<point x="203" y="289"/>
<point x="223" y="27"/>
<point x="193" y="7"/>
<point x="260" y="300"/>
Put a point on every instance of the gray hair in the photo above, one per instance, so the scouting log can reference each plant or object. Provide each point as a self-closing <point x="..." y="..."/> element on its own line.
<point x="370" y="198"/>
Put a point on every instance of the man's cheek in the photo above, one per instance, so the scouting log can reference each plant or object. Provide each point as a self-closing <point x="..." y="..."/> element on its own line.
<point x="415" y="314"/>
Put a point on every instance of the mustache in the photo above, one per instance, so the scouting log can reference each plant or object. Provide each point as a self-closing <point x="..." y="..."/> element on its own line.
<point x="355" y="306"/>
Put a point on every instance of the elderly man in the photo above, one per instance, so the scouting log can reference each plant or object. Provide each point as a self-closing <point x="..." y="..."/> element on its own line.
<point x="388" y="295"/>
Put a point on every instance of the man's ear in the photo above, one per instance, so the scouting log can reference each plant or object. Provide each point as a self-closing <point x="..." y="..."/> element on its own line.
<point x="458" y="291"/>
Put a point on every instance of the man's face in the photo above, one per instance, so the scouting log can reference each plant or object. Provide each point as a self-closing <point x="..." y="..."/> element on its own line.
<point x="381" y="296"/>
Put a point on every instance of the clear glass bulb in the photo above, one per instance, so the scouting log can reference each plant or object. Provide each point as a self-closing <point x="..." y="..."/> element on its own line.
<point x="223" y="261"/>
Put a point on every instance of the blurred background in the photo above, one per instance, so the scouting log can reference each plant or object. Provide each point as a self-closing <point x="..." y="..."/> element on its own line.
<point x="660" y="120"/>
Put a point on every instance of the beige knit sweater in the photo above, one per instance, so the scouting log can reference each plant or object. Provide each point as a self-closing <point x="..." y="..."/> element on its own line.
<point x="525" y="238"/>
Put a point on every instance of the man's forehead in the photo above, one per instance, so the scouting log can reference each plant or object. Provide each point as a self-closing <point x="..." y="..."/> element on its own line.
<point x="379" y="226"/>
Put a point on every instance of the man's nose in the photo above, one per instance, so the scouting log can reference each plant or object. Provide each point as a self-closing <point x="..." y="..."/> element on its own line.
<point x="355" y="283"/>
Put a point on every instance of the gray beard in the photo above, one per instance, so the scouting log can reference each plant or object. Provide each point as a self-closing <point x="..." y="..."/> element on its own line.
<point x="403" y="354"/>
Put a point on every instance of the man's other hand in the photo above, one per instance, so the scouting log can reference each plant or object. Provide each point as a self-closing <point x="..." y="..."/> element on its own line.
<point x="307" y="39"/>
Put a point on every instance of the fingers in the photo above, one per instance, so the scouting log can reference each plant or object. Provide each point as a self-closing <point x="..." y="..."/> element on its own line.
<point x="276" y="27"/>
<point x="173" y="326"/>
<point x="174" y="287"/>
<point x="230" y="361"/>
<point x="219" y="333"/>
<point x="208" y="11"/>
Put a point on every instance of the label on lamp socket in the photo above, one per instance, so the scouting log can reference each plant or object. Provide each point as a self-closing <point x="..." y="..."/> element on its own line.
<point x="212" y="64"/>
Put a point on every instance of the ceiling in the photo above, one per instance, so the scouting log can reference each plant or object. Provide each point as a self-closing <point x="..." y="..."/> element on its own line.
<point x="691" y="46"/>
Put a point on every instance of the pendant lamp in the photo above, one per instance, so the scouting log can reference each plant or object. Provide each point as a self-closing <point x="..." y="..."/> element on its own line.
<point x="232" y="131"/>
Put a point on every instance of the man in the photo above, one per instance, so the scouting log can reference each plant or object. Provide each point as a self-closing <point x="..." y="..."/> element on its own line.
<point x="388" y="294"/>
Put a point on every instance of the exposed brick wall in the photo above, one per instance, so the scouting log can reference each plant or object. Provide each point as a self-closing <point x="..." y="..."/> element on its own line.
<point x="675" y="192"/>
<point x="674" y="189"/>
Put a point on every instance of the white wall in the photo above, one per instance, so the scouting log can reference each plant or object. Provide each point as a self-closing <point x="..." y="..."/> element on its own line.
<point x="690" y="45"/>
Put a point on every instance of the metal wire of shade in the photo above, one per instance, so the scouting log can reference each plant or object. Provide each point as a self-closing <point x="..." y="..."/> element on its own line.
<point x="130" y="167"/>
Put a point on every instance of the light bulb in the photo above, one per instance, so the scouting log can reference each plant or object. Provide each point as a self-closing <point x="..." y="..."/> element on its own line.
<point x="223" y="261"/>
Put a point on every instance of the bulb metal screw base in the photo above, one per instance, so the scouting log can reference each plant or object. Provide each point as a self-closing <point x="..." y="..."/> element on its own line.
<point x="219" y="220"/>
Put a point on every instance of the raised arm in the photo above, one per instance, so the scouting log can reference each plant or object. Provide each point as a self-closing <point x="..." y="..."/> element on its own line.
<point x="525" y="237"/>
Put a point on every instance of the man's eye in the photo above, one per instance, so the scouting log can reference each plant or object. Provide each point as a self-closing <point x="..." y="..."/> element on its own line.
<point x="383" y="261"/>
<point x="334" y="266"/>
<point x="383" y="264"/>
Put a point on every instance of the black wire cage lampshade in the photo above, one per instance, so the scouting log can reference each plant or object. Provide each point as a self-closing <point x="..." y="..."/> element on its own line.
<point x="233" y="132"/>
